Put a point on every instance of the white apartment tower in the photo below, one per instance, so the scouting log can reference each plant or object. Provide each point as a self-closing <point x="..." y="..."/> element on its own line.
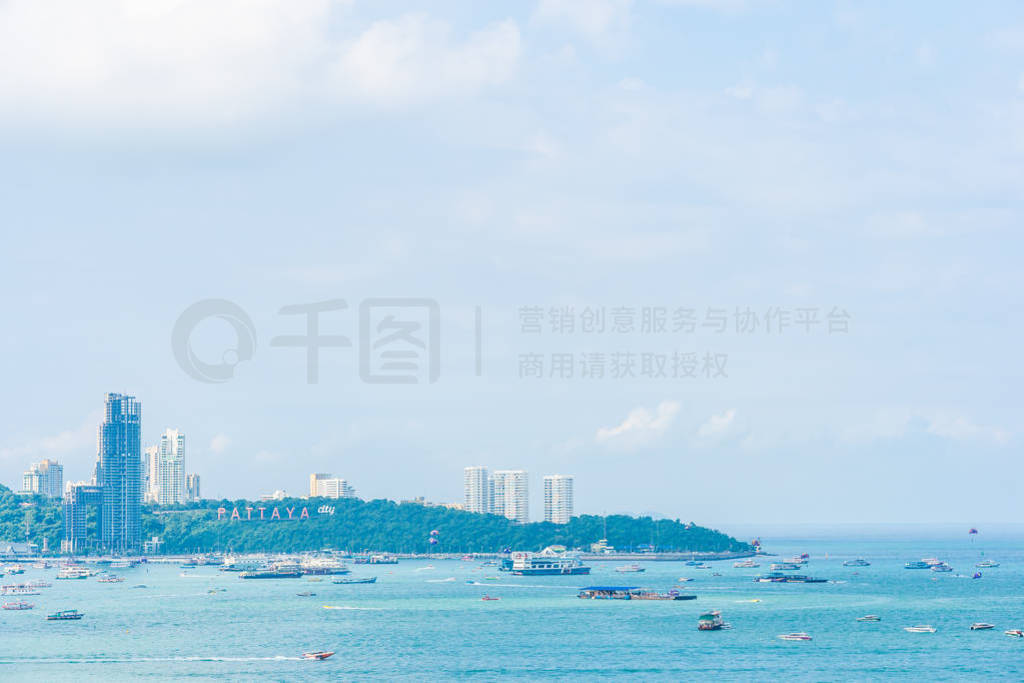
<point x="45" y="478"/>
<point x="170" y="468"/>
<point x="476" y="485"/>
<point x="558" y="498"/>
<point x="511" y="495"/>
<point x="325" y="486"/>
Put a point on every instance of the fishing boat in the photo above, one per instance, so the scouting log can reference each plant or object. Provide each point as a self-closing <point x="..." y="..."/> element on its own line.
<point x="859" y="562"/>
<point x="778" y="577"/>
<point x="794" y="636"/>
<point x="17" y="605"/>
<point x="630" y="569"/>
<point x="317" y="656"/>
<point x="369" y="579"/>
<point x="982" y="626"/>
<point x="869" y="617"/>
<point x="65" y="615"/>
<point x="745" y="564"/>
<point x="1015" y="632"/>
<point x="920" y="629"/>
<point x="711" y="621"/>
<point x="987" y="564"/>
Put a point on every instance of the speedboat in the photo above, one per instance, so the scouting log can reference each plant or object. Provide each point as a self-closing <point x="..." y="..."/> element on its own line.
<point x="319" y="655"/>
<point x="920" y="629"/>
<point x="987" y="564"/>
<point x="1015" y="632"/>
<point x="941" y="567"/>
<point x="630" y="569"/>
<point x="982" y="626"/>
<point x="859" y="562"/>
<point x="869" y="617"/>
<point x="18" y="605"/>
<point x="794" y="636"/>
<point x="65" y="615"/>
<point x="917" y="564"/>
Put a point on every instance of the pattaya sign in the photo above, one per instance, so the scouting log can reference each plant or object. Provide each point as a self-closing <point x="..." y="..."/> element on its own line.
<point x="261" y="514"/>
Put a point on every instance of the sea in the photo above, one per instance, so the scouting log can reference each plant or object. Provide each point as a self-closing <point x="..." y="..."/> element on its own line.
<point x="426" y="620"/>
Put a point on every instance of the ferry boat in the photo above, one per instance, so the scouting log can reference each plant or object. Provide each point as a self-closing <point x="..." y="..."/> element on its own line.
<point x="628" y="593"/>
<point x="1015" y="632"/>
<point x="73" y="573"/>
<point x="546" y="564"/>
<point x="982" y="626"/>
<point x="630" y="569"/>
<point x="917" y="564"/>
<point x="65" y="615"/>
<point x="19" y="589"/>
<point x="798" y="559"/>
<point x="987" y="564"/>
<point x="17" y="605"/>
<point x="371" y="579"/>
<point x="745" y="564"/>
<point x="777" y="577"/>
<point x="380" y="558"/>
<point x="711" y="621"/>
<point x="859" y="562"/>
<point x="243" y="564"/>
<point x="784" y="566"/>
<point x="317" y="656"/>
<point x="920" y="629"/>
<point x="273" y="573"/>
<point x="869" y="617"/>
<point x="324" y="567"/>
<point x="794" y="636"/>
<point x="653" y="595"/>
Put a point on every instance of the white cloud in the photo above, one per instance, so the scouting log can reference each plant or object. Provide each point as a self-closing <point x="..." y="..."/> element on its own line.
<point x="219" y="443"/>
<point x="898" y="423"/>
<point x="63" y="443"/>
<point x="191" y="62"/>
<point x="717" y="425"/>
<point x="640" y="426"/>
<point x="961" y="428"/>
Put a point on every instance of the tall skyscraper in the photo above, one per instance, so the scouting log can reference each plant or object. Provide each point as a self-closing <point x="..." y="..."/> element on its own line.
<point x="149" y="468"/>
<point x="511" y="495"/>
<point x="192" y="488"/>
<point x="326" y="486"/>
<point x="45" y="478"/>
<point x="558" y="498"/>
<point x="476" y="485"/>
<point x="170" y="468"/>
<point x="119" y="473"/>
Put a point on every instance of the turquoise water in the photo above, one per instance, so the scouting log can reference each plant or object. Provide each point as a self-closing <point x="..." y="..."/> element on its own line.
<point x="415" y="625"/>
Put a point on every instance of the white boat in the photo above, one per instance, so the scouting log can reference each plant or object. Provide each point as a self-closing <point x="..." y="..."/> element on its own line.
<point x="1015" y="632"/>
<point x="982" y="626"/>
<point x="920" y="629"/>
<point x="630" y="569"/>
<point x="859" y="562"/>
<point x="987" y="564"/>
<point x="73" y="573"/>
<point x="745" y="564"/>
<point x="784" y="566"/>
<point x="941" y="567"/>
<point x="794" y="636"/>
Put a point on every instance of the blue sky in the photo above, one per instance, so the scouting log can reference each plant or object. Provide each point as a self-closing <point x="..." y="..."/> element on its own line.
<point x="559" y="153"/>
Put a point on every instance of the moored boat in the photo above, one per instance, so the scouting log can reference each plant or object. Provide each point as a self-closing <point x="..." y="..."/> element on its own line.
<point x="65" y="615"/>
<point x="272" y="574"/>
<point x="72" y="572"/>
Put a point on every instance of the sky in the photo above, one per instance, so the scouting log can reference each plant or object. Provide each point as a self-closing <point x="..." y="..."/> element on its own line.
<point x="813" y="208"/>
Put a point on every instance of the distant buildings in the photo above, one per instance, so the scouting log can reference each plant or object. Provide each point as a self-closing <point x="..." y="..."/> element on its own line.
<point x="511" y="495"/>
<point x="276" y="495"/>
<point x="45" y="478"/>
<point x="558" y="498"/>
<point x="420" y="500"/>
<point x="327" y="486"/>
<point x="477" y="488"/>
<point x="192" y="488"/>
<point x="163" y="471"/>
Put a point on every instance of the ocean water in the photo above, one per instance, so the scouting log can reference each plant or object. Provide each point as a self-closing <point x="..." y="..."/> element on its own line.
<point x="416" y="623"/>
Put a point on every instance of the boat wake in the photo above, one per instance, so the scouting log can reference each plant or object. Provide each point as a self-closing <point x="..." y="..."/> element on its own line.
<point x="448" y="580"/>
<point x="134" y="660"/>
<point x="370" y="609"/>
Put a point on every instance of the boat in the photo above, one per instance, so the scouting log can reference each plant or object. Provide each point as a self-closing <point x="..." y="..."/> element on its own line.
<point x="110" y="579"/>
<point x="628" y="593"/>
<point x="920" y="629"/>
<point x="630" y="569"/>
<point x="745" y="564"/>
<point x="488" y="597"/>
<point x="546" y="564"/>
<point x="711" y="621"/>
<point x="917" y="564"/>
<point x="243" y="564"/>
<point x="317" y="656"/>
<point x="216" y="590"/>
<point x="684" y="579"/>
<point x="654" y="595"/>
<point x="784" y="566"/>
<point x="987" y="564"/>
<point x="859" y="562"/>
<point x="941" y="567"/>
<point x="375" y="559"/>
<point x="38" y="583"/>
<point x="370" y="579"/>
<point x="324" y="567"/>
<point x="272" y="574"/>
<point x="15" y="569"/>
<point x="306" y="594"/>
<point x="189" y="565"/>
<point x="17" y="605"/>
<point x="65" y="615"/>
<point x="798" y="559"/>
<point x="982" y="626"/>
<point x="778" y="577"/>
<point x="1015" y="632"/>
<point x="73" y="573"/>
<point x="931" y="561"/>
<point x="794" y="636"/>
<point x="869" y="617"/>
<point x="19" y="589"/>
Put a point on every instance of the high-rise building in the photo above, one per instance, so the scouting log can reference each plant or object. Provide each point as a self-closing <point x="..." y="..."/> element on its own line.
<point x="558" y="498"/>
<point x="326" y="486"/>
<point x="476" y="485"/>
<point x="170" y="468"/>
<point x="45" y="478"/>
<point x="150" y="458"/>
<point x="511" y="495"/>
<point x="192" y="488"/>
<point x="119" y="473"/>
